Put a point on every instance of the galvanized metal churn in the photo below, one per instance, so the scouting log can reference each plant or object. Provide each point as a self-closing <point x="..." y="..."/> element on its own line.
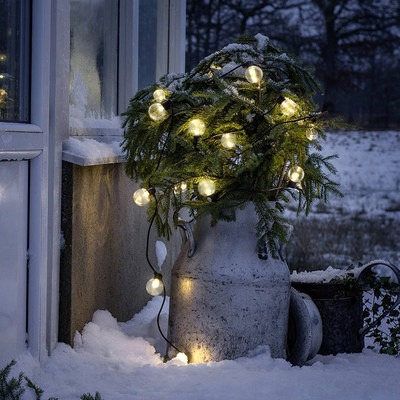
<point x="228" y="296"/>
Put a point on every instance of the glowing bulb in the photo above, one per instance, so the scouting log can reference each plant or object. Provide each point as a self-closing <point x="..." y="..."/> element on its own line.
<point x="180" y="188"/>
<point x="2" y="76"/>
<point x="254" y="74"/>
<point x="311" y="134"/>
<point x="228" y="140"/>
<point x="296" y="174"/>
<point x="182" y="357"/>
<point x="3" y="94"/>
<point x="141" y="197"/>
<point x="157" y="112"/>
<point x="196" y="127"/>
<point x="288" y="107"/>
<point x="206" y="187"/>
<point x="154" y="286"/>
<point x="159" y="95"/>
<point x="3" y="57"/>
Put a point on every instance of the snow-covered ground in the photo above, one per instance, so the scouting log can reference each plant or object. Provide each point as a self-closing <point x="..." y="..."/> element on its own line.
<point x="120" y="361"/>
<point x="114" y="359"/>
<point x="365" y="223"/>
<point x="368" y="172"/>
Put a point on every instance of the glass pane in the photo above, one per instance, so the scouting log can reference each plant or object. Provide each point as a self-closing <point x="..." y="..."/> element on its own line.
<point x="94" y="59"/>
<point x="147" y="42"/>
<point x="14" y="60"/>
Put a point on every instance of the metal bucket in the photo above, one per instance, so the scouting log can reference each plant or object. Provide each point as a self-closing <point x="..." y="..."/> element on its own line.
<point x="342" y="311"/>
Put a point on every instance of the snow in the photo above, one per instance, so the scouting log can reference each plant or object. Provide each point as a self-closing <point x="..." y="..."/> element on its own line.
<point x="329" y="274"/>
<point x="91" y="148"/>
<point x="118" y="361"/>
<point x="262" y="41"/>
<point x="161" y="253"/>
<point x="321" y="276"/>
<point x="368" y="166"/>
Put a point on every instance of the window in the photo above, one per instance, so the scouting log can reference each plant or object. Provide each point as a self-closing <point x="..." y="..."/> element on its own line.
<point x="14" y="60"/>
<point x="94" y="60"/>
<point x="116" y="48"/>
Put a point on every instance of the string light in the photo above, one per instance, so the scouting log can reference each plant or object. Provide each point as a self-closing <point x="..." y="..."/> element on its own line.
<point x="312" y="133"/>
<point x="182" y="357"/>
<point x="154" y="286"/>
<point x="288" y="107"/>
<point x="228" y="140"/>
<point x="196" y="127"/>
<point x="206" y="187"/>
<point x="3" y="57"/>
<point x="254" y="74"/>
<point x="141" y="197"/>
<point x="296" y="174"/>
<point x="180" y="188"/>
<point x="157" y="112"/>
<point x="159" y="95"/>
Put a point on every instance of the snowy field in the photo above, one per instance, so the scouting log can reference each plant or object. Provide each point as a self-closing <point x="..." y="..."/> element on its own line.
<point x="364" y="224"/>
<point x="122" y="361"/>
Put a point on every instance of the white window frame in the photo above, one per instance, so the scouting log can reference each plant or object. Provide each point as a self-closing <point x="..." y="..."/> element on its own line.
<point x="40" y="142"/>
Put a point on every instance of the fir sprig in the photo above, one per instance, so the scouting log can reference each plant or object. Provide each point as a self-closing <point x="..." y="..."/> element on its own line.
<point x="268" y="141"/>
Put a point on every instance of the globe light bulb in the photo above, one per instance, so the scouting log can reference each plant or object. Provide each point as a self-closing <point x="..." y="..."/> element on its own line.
<point x="157" y="112"/>
<point x="141" y="197"/>
<point x="180" y="188"/>
<point x="254" y="74"/>
<point x="288" y="107"/>
<point x="206" y="187"/>
<point x="159" y="95"/>
<point x="228" y="140"/>
<point x="154" y="286"/>
<point x="196" y="127"/>
<point x="311" y="134"/>
<point x="3" y="57"/>
<point x="182" y="357"/>
<point x="296" y="174"/>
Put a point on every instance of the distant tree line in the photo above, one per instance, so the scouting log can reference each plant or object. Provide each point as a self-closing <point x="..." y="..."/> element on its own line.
<point x="354" y="46"/>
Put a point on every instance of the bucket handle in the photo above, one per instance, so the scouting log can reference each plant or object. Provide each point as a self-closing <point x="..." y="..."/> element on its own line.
<point x="187" y="227"/>
<point x="367" y="267"/>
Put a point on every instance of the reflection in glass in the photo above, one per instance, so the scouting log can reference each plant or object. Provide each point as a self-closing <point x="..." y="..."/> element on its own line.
<point x="94" y="59"/>
<point x="14" y="60"/>
<point x="147" y="43"/>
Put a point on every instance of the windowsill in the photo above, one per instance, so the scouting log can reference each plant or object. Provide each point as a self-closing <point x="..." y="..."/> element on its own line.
<point x="96" y="150"/>
<point x="19" y="127"/>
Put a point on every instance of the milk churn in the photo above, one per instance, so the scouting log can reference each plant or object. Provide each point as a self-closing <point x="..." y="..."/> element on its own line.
<point x="231" y="295"/>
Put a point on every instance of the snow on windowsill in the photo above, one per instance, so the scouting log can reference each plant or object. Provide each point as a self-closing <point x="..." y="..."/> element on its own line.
<point x="86" y="152"/>
<point x="95" y="126"/>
